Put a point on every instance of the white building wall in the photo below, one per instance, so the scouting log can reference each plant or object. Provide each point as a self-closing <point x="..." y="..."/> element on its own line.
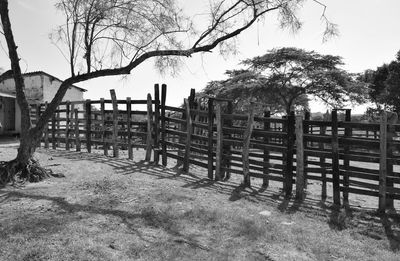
<point x="39" y="88"/>
<point x="51" y="87"/>
<point x="33" y="87"/>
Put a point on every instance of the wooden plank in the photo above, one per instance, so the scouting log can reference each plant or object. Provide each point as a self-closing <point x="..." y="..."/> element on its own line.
<point x="246" y="148"/>
<point x="115" y="123"/>
<point x="288" y="185"/>
<point x="346" y="161"/>
<point x="360" y="126"/>
<point x="77" y="138"/>
<point x="189" y="130"/>
<point x="391" y="119"/>
<point x="88" y="114"/>
<point x="219" y="144"/>
<point x="266" y="158"/>
<point x="181" y="138"/>
<point x="72" y="127"/>
<point x="156" y="123"/>
<point x="37" y="115"/>
<point x="149" y="138"/>
<point x="175" y="109"/>
<point x="335" y="159"/>
<point x="300" y="173"/>
<point x="306" y="127"/>
<point x="163" y="126"/>
<point x="53" y="131"/>
<point x="128" y="126"/>
<point x="324" y="123"/>
<point x="228" y="148"/>
<point x="103" y="127"/>
<point x="46" y="131"/>
<point x="67" y="124"/>
<point x="210" y="119"/>
<point x="383" y="163"/>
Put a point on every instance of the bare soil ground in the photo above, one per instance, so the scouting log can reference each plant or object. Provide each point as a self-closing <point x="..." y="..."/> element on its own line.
<point x="117" y="209"/>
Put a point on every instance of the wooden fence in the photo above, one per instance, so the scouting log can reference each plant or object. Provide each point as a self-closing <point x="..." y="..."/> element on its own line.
<point x="349" y="157"/>
<point x="102" y="124"/>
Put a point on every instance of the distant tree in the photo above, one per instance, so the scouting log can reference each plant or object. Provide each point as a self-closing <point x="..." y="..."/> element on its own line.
<point x="104" y="38"/>
<point x="243" y="88"/>
<point x="384" y="86"/>
<point x="283" y="78"/>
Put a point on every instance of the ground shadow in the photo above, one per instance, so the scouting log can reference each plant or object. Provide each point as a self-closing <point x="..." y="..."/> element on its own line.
<point x="392" y="235"/>
<point x="130" y="219"/>
<point x="338" y="218"/>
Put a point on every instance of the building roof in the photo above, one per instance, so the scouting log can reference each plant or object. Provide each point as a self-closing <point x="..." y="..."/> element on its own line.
<point x="8" y="74"/>
<point x="7" y="95"/>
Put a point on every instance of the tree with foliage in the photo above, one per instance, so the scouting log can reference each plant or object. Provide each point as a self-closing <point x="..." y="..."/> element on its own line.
<point x="107" y="38"/>
<point x="383" y="86"/>
<point x="283" y="78"/>
<point x="244" y="88"/>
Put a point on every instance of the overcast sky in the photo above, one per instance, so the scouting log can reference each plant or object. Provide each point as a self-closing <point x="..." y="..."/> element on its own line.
<point x="369" y="37"/>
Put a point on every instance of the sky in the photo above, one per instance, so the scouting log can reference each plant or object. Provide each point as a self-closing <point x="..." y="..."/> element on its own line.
<point x="369" y="36"/>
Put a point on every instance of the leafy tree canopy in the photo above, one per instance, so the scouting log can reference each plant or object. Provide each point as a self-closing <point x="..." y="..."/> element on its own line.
<point x="384" y="86"/>
<point x="283" y="78"/>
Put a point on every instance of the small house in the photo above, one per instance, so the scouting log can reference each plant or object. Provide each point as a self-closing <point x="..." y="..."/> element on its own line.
<point x="40" y="87"/>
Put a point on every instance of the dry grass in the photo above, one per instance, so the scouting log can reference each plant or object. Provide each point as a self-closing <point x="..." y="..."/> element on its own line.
<point x="115" y="210"/>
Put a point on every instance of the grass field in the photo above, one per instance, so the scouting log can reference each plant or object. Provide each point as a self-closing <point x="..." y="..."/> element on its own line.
<point x="116" y="209"/>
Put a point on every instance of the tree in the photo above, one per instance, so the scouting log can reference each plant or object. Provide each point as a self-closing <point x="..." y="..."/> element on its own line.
<point x="285" y="77"/>
<point x="105" y="38"/>
<point x="243" y="88"/>
<point x="383" y="86"/>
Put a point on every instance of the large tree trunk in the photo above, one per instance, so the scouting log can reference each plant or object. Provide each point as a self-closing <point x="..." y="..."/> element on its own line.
<point x="28" y="144"/>
<point x="24" y="167"/>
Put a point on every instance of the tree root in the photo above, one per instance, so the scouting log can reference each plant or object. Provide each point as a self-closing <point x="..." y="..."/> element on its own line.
<point x="16" y="172"/>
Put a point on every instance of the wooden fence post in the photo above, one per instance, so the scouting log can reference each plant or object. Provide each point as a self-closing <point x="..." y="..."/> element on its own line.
<point x="335" y="159"/>
<point x="46" y="131"/>
<point x="322" y="159"/>
<point x="156" y="123"/>
<point x="53" y="131"/>
<point x="227" y="148"/>
<point x="392" y="119"/>
<point x="88" y="107"/>
<point x="67" y="124"/>
<point x="300" y="173"/>
<point x="192" y="96"/>
<point x="210" y="138"/>
<point x="77" y="138"/>
<point x="346" y="161"/>
<point x="115" y="123"/>
<point x="103" y="127"/>
<point x="288" y="185"/>
<point x="128" y="126"/>
<point x="189" y="130"/>
<point x="246" y="148"/>
<point x="37" y="116"/>
<point x="149" y="138"/>
<point x="383" y="162"/>
<point x="306" y="130"/>
<point x="219" y="144"/>
<point x="163" y="127"/>
<point x="267" y="127"/>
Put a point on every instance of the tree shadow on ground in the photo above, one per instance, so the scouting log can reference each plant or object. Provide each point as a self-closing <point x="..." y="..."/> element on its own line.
<point x="132" y="220"/>
<point x="388" y="222"/>
<point x="338" y="218"/>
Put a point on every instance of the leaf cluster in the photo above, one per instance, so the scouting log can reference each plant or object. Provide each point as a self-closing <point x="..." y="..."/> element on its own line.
<point x="383" y="86"/>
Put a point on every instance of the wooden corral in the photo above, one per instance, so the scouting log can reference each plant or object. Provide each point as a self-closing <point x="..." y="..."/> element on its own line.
<point x="352" y="157"/>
